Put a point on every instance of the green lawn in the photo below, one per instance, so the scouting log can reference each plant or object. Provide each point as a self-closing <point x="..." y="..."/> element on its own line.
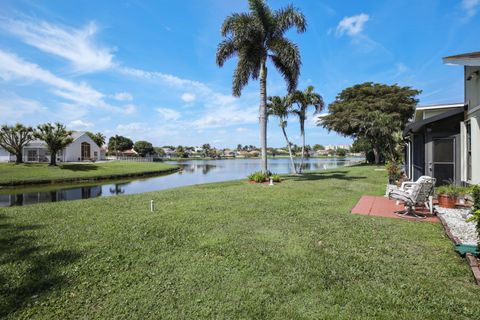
<point x="231" y="250"/>
<point x="12" y="174"/>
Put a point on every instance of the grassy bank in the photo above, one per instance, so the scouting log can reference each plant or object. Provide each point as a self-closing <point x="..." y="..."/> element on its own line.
<point x="231" y="250"/>
<point x="37" y="173"/>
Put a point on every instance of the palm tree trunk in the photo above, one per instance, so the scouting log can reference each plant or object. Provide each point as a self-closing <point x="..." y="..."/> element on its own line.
<point x="302" y="134"/>
<point x="263" y="115"/>
<point x="294" y="168"/>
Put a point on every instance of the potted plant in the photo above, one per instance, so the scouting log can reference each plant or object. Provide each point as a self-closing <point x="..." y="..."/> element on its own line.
<point x="447" y="196"/>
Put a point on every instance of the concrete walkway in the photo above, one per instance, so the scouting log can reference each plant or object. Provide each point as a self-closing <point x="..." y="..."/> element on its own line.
<point x="384" y="207"/>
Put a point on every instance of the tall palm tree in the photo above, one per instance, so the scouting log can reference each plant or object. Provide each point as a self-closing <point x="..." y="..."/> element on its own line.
<point x="56" y="136"/>
<point x="303" y="100"/>
<point x="281" y="107"/>
<point x="255" y="37"/>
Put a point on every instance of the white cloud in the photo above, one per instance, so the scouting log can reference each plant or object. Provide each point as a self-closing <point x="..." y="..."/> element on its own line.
<point x="13" y="67"/>
<point x="169" y="114"/>
<point x="353" y="25"/>
<point x="470" y="7"/>
<point x="14" y="108"/>
<point x="123" y="96"/>
<point x="241" y="130"/>
<point x="75" y="45"/>
<point x="188" y="97"/>
<point x="131" y="127"/>
<point x="79" y="125"/>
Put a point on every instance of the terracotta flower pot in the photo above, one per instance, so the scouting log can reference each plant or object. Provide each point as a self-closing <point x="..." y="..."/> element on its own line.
<point x="446" y="201"/>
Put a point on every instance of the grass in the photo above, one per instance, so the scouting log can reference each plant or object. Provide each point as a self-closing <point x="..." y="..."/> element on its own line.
<point x="36" y="173"/>
<point x="231" y="250"/>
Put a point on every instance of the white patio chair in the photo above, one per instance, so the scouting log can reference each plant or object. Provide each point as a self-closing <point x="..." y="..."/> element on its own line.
<point x="415" y="193"/>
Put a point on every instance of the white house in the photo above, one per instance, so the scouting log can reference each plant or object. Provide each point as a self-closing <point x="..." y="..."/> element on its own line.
<point x="82" y="148"/>
<point x="443" y="141"/>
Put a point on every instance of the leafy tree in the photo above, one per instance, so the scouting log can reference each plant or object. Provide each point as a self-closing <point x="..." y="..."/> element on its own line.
<point x="341" y="152"/>
<point x="317" y="147"/>
<point x="56" y="136"/>
<point x="372" y="112"/>
<point x="14" y="138"/>
<point x="281" y="108"/>
<point x="98" y="138"/>
<point x="143" y="148"/>
<point x="181" y="152"/>
<point x="255" y="37"/>
<point x="303" y="100"/>
<point x="159" y="151"/>
<point x="239" y="147"/>
<point x="119" y="143"/>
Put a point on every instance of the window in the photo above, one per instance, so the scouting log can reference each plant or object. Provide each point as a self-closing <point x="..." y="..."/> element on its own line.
<point x="444" y="160"/>
<point x="85" y="151"/>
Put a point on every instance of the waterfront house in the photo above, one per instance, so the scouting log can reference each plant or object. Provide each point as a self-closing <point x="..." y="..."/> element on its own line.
<point x="82" y="148"/>
<point x="443" y="141"/>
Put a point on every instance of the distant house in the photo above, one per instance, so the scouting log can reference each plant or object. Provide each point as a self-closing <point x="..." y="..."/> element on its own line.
<point x="169" y="153"/>
<point x="129" y="153"/>
<point x="321" y="153"/>
<point x="82" y="148"/>
<point x="228" y="153"/>
<point x="443" y="141"/>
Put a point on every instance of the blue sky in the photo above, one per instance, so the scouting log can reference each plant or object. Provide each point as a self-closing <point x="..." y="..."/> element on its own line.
<point x="146" y="69"/>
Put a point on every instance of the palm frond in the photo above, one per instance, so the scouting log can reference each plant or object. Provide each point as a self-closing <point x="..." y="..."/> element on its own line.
<point x="225" y="50"/>
<point x="286" y="58"/>
<point x="235" y="23"/>
<point x="262" y="12"/>
<point x="287" y="18"/>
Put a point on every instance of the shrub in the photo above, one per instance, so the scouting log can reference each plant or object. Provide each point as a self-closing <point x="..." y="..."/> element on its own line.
<point x="476" y="197"/>
<point x="449" y="190"/>
<point x="258" y="177"/>
<point x="393" y="170"/>
<point x="476" y="209"/>
<point x="276" y="177"/>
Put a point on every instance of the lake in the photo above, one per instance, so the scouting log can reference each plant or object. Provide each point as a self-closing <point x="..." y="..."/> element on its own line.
<point x="192" y="172"/>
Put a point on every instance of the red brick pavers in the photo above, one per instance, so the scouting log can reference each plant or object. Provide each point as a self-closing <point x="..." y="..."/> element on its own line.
<point x="384" y="207"/>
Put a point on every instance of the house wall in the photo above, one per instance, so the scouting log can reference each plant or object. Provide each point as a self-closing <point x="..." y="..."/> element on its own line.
<point x="74" y="152"/>
<point x="4" y="155"/>
<point x="472" y="87"/>
<point x="475" y="126"/>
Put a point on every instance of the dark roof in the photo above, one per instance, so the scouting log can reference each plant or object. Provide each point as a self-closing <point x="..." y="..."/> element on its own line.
<point x="470" y="59"/>
<point x="418" y="125"/>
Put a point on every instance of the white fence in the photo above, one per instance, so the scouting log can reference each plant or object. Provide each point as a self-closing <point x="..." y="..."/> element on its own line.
<point x="132" y="159"/>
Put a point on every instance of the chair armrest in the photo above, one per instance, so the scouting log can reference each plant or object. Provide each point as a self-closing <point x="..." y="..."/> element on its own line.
<point x="408" y="184"/>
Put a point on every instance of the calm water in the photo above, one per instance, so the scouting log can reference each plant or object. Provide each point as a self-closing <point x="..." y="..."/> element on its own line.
<point x="193" y="172"/>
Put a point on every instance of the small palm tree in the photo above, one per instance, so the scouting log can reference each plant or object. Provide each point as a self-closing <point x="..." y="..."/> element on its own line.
<point x="281" y="108"/>
<point x="303" y="100"/>
<point x="255" y="37"/>
<point x="56" y="136"/>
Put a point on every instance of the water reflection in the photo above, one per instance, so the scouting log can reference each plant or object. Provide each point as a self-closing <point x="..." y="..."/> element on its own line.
<point x="192" y="172"/>
<point x="19" y="199"/>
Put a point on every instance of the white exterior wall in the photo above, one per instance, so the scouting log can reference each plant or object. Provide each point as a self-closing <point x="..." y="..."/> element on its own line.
<point x="4" y="155"/>
<point x="73" y="152"/>
<point x="475" y="125"/>
<point x="472" y="87"/>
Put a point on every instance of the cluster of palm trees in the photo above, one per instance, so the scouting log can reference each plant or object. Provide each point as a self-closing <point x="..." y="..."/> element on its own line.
<point x="295" y="103"/>
<point x="256" y="37"/>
